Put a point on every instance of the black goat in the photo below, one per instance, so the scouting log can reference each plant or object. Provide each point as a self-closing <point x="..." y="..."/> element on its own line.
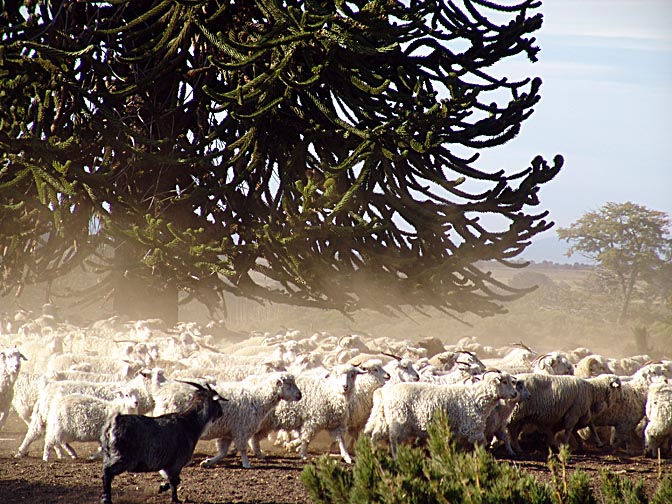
<point x="137" y="443"/>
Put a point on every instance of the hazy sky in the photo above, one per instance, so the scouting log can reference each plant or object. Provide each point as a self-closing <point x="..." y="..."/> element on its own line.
<point x="606" y="106"/>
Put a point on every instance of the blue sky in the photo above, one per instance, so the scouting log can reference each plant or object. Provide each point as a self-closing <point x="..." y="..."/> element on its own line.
<point x="606" y="106"/>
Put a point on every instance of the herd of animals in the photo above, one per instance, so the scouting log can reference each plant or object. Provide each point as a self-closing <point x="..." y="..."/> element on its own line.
<point x="146" y="393"/>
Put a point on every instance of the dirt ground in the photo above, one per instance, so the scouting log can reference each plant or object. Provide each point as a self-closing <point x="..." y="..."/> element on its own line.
<point x="273" y="480"/>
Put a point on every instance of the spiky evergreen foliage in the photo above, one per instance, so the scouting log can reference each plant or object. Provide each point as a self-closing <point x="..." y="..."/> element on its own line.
<point x="440" y="473"/>
<point x="663" y="492"/>
<point x="310" y="152"/>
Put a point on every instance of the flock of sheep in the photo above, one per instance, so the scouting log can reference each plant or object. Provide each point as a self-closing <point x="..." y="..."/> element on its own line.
<point x="146" y="393"/>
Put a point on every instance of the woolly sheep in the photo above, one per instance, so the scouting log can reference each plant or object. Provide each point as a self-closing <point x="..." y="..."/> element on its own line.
<point x="140" y="386"/>
<point x="324" y="406"/>
<point x="26" y="392"/>
<point x="517" y="360"/>
<point x="375" y="376"/>
<point x="496" y="425"/>
<point x="401" y="369"/>
<point x="658" y="431"/>
<point x="247" y="406"/>
<point x="562" y="403"/>
<point x="628" y="407"/>
<point x="405" y="410"/>
<point x="10" y="367"/>
<point x="592" y="365"/>
<point x="79" y="417"/>
<point x="71" y="361"/>
<point x="554" y="363"/>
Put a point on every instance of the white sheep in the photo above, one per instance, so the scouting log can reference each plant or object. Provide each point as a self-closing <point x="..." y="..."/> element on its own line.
<point x="553" y="363"/>
<point x="404" y="410"/>
<point x="72" y="361"/>
<point x="375" y="376"/>
<point x="401" y="369"/>
<point x="79" y="417"/>
<point x="140" y="386"/>
<point x="10" y="367"/>
<point x="628" y="407"/>
<point x="324" y="406"/>
<point x="658" y="431"/>
<point x="592" y="365"/>
<point x="498" y="420"/>
<point x="562" y="403"/>
<point x="26" y="392"/>
<point x="460" y="373"/>
<point x="517" y="360"/>
<point x="248" y="404"/>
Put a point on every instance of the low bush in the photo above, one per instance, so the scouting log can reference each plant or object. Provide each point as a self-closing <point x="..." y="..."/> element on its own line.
<point x="440" y="473"/>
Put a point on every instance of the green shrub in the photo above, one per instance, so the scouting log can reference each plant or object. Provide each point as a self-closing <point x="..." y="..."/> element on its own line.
<point x="437" y="473"/>
<point x="619" y="490"/>
<point x="440" y="473"/>
<point x="663" y="493"/>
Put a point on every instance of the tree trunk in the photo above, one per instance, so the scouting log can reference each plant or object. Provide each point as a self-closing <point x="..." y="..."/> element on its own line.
<point x="137" y="298"/>
<point x="627" y="296"/>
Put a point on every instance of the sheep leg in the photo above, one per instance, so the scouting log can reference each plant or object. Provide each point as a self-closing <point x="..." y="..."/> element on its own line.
<point x="305" y="437"/>
<point x="97" y="455"/>
<point x="3" y="418"/>
<point x="222" y="449"/>
<point x="338" y="435"/>
<point x="593" y="431"/>
<point x="48" y="445"/>
<point x="254" y="444"/>
<point x="35" y="430"/>
<point x="241" y="446"/>
<point x="504" y="437"/>
<point x="513" y="435"/>
<point x="70" y="450"/>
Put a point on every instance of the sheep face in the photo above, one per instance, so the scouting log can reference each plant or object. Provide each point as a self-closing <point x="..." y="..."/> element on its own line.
<point x="11" y="360"/>
<point x="651" y="373"/>
<point x="155" y="376"/>
<point x="288" y="389"/>
<point x="406" y="371"/>
<point x="553" y="363"/>
<point x="504" y="384"/>
<point x="523" y="393"/>
<point x="128" y="401"/>
<point x="658" y="411"/>
<point x="376" y="370"/>
<point x="344" y="378"/>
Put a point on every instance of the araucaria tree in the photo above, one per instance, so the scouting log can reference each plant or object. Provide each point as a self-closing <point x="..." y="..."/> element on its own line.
<point x="311" y="152"/>
<point x="629" y="242"/>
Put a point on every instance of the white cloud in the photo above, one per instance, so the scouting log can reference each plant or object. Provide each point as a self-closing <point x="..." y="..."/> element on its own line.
<point x="637" y="24"/>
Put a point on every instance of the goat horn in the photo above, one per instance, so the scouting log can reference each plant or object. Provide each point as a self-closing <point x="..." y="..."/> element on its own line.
<point x="194" y="384"/>
<point x="539" y="357"/>
<point x="395" y="357"/>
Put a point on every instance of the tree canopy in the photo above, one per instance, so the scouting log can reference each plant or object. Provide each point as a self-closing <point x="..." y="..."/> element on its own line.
<point x="629" y="242"/>
<point x="310" y="152"/>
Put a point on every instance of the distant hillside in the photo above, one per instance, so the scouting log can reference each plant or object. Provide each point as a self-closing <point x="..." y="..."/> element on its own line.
<point x="550" y="248"/>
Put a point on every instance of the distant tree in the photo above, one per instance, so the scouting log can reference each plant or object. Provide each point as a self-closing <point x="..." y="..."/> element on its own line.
<point x="310" y="152"/>
<point x="629" y="242"/>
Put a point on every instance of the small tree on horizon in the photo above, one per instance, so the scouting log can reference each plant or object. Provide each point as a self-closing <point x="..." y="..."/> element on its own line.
<point x="629" y="242"/>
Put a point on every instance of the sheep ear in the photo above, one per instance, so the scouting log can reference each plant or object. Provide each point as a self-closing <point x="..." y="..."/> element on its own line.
<point x="23" y="356"/>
